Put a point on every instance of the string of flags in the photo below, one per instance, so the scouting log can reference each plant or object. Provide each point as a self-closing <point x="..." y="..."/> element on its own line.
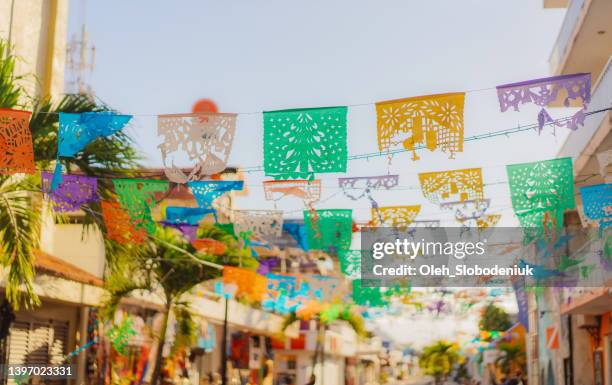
<point x="299" y="144"/>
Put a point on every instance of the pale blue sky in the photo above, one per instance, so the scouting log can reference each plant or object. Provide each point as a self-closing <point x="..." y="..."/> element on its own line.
<point x="252" y="55"/>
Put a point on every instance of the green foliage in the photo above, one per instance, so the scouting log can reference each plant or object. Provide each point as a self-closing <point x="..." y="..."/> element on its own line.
<point x="10" y="91"/>
<point x="19" y="233"/>
<point x="439" y="359"/>
<point x="494" y="318"/>
<point x="512" y="358"/>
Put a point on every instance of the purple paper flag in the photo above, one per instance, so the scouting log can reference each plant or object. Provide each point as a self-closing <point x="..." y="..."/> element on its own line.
<point x="73" y="192"/>
<point x="190" y="232"/>
<point x="544" y="91"/>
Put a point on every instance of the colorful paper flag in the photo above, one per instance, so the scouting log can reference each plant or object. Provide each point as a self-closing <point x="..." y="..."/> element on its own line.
<point x="302" y="142"/>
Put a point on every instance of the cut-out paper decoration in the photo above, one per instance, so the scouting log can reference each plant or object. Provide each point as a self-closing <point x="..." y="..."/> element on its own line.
<point x="266" y="265"/>
<point x="205" y="192"/>
<point x="432" y="122"/>
<point x="209" y="246"/>
<point x="468" y="212"/>
<point x="444" y="186"/>
<point x="118" y="225"/>
<point x="186" y="215"/>
<point x="248" y="282"/>
<point x="604" y="159"/>
<point x="597" y="203"/>
<point x="298" y="232"/>
<point x="330" y="230"/>
<point x="72" y="193"/>
<point x="205" y="139"/>
<point x="261" y="223"/>
<point x="540" y="190"/>
<point x="487" y="221"/>
<point x="119" y="335"/>
<point x="362" y="186"/>
<point x="302" y="142"/>
<point x="319" y="287"/>
<point x="280" y="295"/>
<point x="394" y="216"/>
<point x="308" y="191"/>
<point x="16" y="148"/>
<point x="545" y="91"/>
<point x="368" y="296"/>
<point x="78" y="130"/>
<point x="350" y="263"/>
<point x="136" y="196"/>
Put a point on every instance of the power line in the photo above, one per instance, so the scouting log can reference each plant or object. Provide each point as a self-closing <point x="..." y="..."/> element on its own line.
<point x="487" y="135"/>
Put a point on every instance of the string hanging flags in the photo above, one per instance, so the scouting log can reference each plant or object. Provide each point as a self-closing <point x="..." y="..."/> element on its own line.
<point x="136" y="196"/>
<point x="205" y="192"/>
<point x="541" y="189"/>
<point x="206" y="139"/>
<point x="545" y="91"/>
<point x="72" y="193"/>
<point x="443" y="186"/>
<point x="302" y="142"/>
<point x="16" y="148"/>
<point x="435" y="121"/>
<point x="78" y="130"/>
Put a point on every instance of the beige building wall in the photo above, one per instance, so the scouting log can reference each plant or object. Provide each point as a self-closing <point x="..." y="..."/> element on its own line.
<point x="37" y="29"/>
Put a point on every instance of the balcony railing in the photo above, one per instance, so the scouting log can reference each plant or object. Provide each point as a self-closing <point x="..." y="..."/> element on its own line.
<point x="565" y="34"/>
<point x="601" y="98"/>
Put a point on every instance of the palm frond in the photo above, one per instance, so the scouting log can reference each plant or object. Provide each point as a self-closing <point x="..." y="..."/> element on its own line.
<point x="19" y="234"/>
<point x="10" y="91"/>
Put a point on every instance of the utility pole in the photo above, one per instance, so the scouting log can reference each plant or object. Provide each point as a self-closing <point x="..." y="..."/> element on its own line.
<point x="80" y="60"/>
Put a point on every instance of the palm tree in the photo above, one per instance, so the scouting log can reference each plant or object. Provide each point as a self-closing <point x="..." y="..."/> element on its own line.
<point x="512" y="358"/>
<point x="19" y="194"/>
<point x="439" y="359"/>
<point x="167" y="265"/>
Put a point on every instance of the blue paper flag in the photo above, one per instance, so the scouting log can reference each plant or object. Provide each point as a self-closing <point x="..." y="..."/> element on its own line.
<point x="597" y="203"/>
<point x="297" y="230"/>
<point x="187" y="215"/>
<point x="78" y="130"/>
<point x="205" y="192"/>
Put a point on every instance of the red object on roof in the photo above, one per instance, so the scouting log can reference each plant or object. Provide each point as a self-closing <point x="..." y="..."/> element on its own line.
<point x="204" y="105"/>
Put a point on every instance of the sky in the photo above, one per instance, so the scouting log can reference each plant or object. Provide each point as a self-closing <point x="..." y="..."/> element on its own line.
<point x="157" y="57"/>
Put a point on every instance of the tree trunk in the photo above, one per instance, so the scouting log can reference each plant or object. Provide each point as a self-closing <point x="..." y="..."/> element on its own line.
<point x="155" y="379"/>
<point x="317" y="348"/>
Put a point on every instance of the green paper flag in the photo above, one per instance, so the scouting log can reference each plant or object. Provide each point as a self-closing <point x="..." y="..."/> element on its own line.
<point x="541" y="189"/>
<point x="136" y="196"/>
<point x="299" y="143"/>
<point x="350" y="262"/>
<point x="329" y="230"/>
<point x="368" y="296"/>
